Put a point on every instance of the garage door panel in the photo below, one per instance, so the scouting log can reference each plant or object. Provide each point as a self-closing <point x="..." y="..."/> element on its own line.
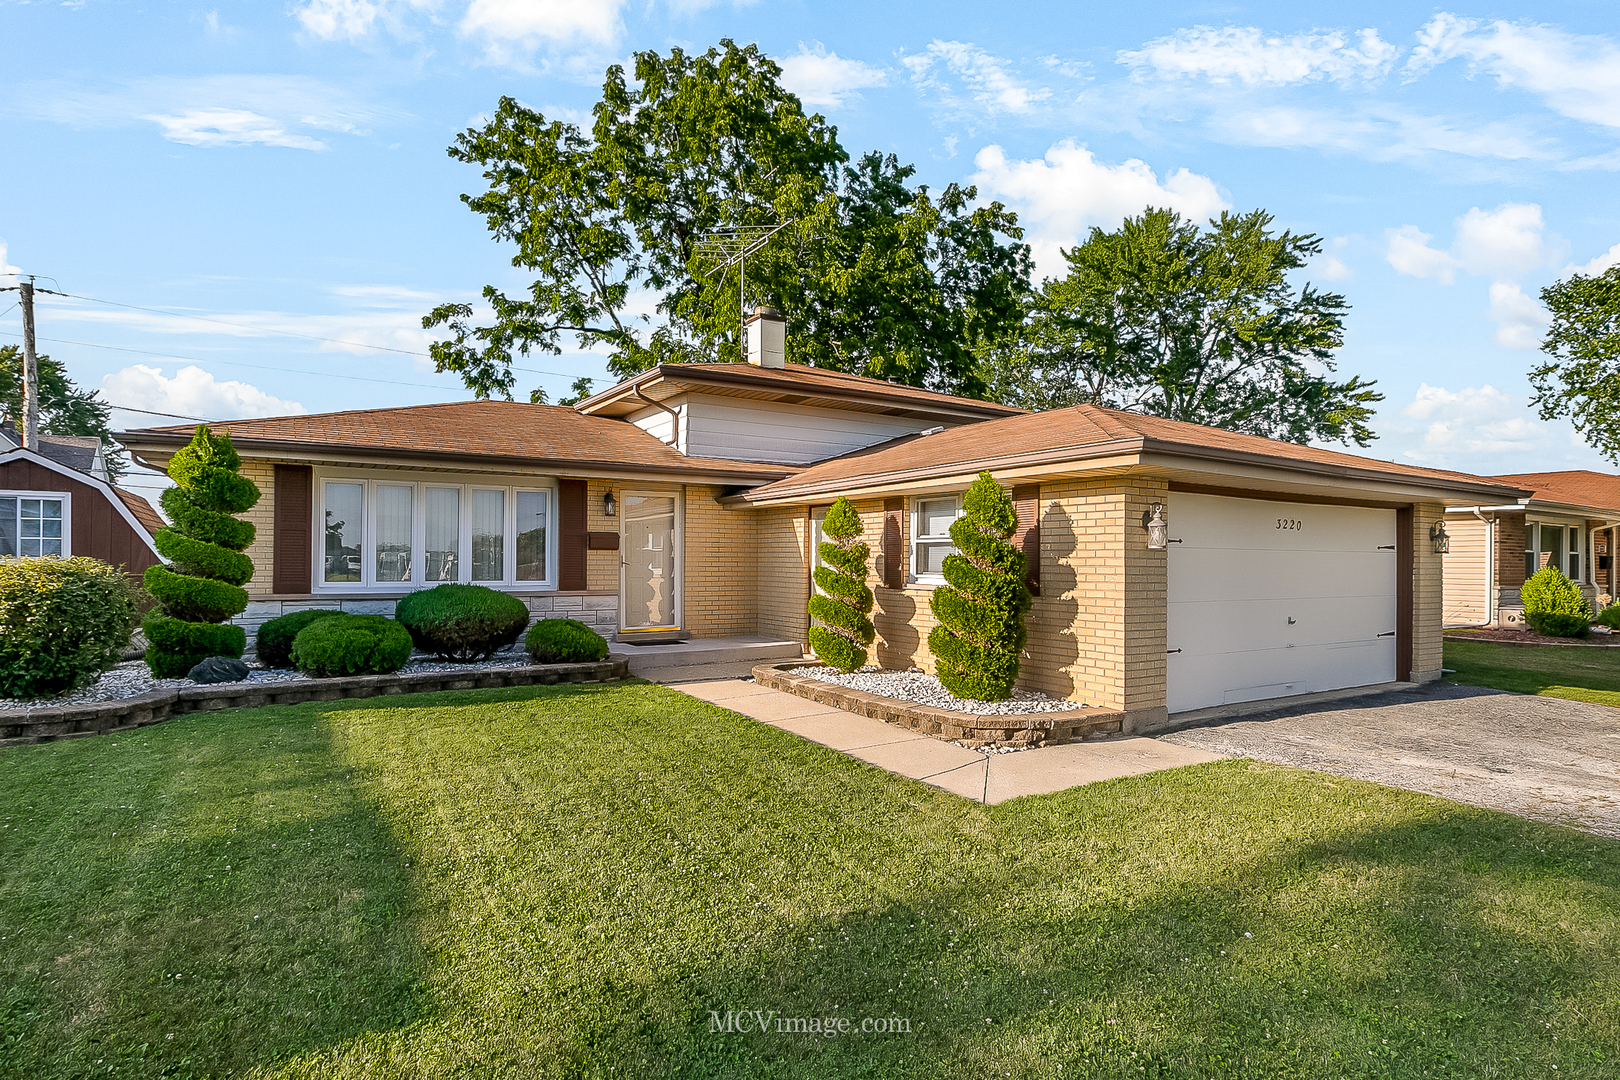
<point x="1237" y="578"/>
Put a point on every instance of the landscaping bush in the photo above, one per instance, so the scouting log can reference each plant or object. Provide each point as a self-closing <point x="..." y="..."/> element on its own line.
<point x="462" y="622"/>
<point x="846" y="631"/>
<point x="564" y="641"/>
<point x="202" y="585"/>
<point x="1609" y="616"/>
<point x="274" y="640"/>
<point x="981" y="606"/>
<point x="62" y="621"/>
<point x="351" y="645"/>
<point x="1553" y="605"/>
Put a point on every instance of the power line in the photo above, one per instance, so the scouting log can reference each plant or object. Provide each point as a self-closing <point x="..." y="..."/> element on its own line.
<point x="149" y="412"/>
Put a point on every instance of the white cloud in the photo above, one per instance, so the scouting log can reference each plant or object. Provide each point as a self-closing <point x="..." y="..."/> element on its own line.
<point x="989" y="83"/>
<point x="346" y="19"/>
<point x="1577" y="76"/>
<point x="1068" y="191"/>
<point x="1520" y="321"/>
<point x="6" y="269"/>
<point x="191" y="392"/>
<point x="1596" y="266"/>
<point x="230" y="127"/>
<point x="1504" y="242"/>
<point x="1329" y="266"/>
<point x="510" y="28"/>
<point x="1379" y="131"/>
<point x="1244" y="54"/>
<point x="823" y="78"/>
<point x="1473" y="421"/>
<point x="1408" y="251"/>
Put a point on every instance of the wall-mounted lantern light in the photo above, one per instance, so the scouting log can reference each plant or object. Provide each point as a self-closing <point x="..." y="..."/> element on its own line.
<point x="1438" y="537"/>
<point x="1158" y="532"/>
<point x="609" y="507"/>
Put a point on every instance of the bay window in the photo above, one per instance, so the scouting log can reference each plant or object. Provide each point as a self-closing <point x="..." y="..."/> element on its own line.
<point x="397" y="535"/>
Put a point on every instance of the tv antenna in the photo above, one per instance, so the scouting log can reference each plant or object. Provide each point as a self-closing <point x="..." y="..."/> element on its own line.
<point x="732" y="247"/>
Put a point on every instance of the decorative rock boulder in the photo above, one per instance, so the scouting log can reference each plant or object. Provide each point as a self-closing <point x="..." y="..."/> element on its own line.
<point x="218" y="669"/>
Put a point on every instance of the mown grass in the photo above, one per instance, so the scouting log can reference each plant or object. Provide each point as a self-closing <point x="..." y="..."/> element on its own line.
<point x="1548" y="670"/>
<point x="565" y="882"/>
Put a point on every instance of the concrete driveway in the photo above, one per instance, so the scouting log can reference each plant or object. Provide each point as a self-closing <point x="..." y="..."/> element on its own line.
<point x="1538" y="757"/>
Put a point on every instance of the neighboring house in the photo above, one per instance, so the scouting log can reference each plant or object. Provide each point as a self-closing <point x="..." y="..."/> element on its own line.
<point x="684" y="503"/>
<point x="1569" y="523"/>
<point x="58" y="501"/>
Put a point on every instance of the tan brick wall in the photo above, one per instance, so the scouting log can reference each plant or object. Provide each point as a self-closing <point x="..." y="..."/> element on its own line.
<point x="601" y="567"/>
<point x="722" y="570"/>
<point x="263" y="516"/>
<point x="1428" y="594"/>
<point x="782" y="539"/>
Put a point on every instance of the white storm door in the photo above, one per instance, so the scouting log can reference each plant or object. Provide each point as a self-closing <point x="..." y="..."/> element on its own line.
<point x="1268" y="599"/>
<point x="647" y="552"/>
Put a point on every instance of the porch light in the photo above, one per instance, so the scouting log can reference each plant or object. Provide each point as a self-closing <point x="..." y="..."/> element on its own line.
<point x="609" y="506"/>
<point x="1439" y="538"/>
<point x="1158" y="532"/>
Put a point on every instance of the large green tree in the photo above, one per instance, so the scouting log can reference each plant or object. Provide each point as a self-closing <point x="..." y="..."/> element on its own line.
<point x="1582" y="378"/>
<point x="1163" y="317"/>
<point x="873" y="273"/>
<point x="64" y="409"/>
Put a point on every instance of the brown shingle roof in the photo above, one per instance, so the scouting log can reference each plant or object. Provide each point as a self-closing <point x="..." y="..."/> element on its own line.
<point x="149" y="518"/>
<point x="505" y="432"/>
<point x="1078" y="433"/>
<point x="1577" y="487"/>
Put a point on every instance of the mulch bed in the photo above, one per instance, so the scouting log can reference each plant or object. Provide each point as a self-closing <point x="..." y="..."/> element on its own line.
<point x="1530" y="637"/>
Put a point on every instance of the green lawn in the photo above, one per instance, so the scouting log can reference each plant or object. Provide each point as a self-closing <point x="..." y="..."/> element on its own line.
<point x="1548" y="670"/>
<point x="564" y="882"/>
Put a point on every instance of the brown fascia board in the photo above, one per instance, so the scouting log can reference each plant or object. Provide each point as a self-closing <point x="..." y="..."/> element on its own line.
<point x="1141" y="446"/>
<point x="326" y="452"/>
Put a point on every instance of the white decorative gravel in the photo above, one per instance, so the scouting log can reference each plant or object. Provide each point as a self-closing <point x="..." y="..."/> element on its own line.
<point x="132" y="678"/>
<point x="925" y="689"/>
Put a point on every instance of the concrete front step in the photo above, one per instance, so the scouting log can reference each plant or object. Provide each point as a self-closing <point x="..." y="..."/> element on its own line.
<point x="705" y="658"/>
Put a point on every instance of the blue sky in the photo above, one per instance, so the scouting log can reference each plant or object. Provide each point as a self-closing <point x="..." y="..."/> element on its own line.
<point x="269" y="175"/>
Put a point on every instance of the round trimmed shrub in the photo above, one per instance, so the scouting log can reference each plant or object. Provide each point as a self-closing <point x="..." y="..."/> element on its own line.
<point x="564" y="641"/>
<point x="62" y="621"/>
<point x="462" y="623"/>
<point x="351" y="645"/>
<point x="1554" y="605"/>
<point x="202" y="585"/>
<point x="274" y="640"/>
<point x="981" y="606"/>
<point x="845" y="602"/>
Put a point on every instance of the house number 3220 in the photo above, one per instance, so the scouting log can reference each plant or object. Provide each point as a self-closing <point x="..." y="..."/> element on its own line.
<point x="1292" y="524"/>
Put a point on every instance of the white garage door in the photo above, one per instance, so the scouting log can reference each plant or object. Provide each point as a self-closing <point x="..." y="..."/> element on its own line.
<point x="1269" y="599"/>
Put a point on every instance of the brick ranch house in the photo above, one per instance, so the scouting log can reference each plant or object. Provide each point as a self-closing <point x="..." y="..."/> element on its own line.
<point x="1570" y="522"/>
<point x="685" y="504"/>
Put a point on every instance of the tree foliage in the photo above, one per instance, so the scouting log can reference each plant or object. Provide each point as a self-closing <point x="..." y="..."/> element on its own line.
<point x="1582" y="380"/>
<point x="981" y="606"/>
<point x="872" y="272"/>
<point x="1204" y="325"/>
<point x="844" y="604"/>
<point x="64" y="409"/>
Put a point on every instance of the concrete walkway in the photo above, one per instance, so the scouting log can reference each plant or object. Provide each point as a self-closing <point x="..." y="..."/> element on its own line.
<point x="983" y="778"/>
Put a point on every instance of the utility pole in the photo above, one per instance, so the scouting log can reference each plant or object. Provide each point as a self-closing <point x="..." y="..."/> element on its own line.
<point x="30" y="405"/>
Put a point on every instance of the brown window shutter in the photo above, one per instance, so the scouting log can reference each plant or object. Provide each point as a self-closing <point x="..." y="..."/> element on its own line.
<point x="293" y="547"/>
<point x="894" y="555"/>
<point x="571" y="541"/>
<point x="1027" y="502"/>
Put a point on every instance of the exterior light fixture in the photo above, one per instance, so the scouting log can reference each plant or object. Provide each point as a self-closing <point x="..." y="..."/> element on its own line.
<point x="1158" y="538"/>
<point x="609" y="507"/>
<point x="1439" y="538"/>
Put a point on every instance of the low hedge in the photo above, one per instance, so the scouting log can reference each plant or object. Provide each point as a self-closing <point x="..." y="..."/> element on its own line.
<point x="177" y="646"/>
<point x="1555" y="605"/>
<point x="564" y="641"/>
<point x="351" y="645"/>
<point x="462" y="623"/>
<point x="62" y="621"/>
<point x="274" y="640"/>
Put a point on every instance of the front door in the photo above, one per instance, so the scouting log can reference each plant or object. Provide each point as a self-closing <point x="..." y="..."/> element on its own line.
<point x="649" y="601"/>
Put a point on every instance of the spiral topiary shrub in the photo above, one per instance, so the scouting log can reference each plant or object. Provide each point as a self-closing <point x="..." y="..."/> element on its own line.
<point x="274" y="640"/>
<point x="1554" y="605"/>
<point x="202" y="585"/>
<point x="845" y="601"/>
<point x="982" y="604"/>
<point x="62" y="621"/>
<point x="462" y="623"/>
<point x="351" y="645"/>
<point x="564" y="641"/>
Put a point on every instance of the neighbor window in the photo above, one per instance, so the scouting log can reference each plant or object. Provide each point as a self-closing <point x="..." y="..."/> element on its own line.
<point x="388" y="534"/>
<point x="1561" y="547"/>
<point x="33" y="524"/>
<point x="931" y="535"/>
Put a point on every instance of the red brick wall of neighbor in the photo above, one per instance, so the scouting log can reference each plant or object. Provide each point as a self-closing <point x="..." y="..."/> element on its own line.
<point x="97" y="529"/>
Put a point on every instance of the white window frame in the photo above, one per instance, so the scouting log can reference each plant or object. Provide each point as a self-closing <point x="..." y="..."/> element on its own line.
<point x="1577" y="544"/>
<point x="919" y="541"/>
<point x="67" y="517"/>
<point x="465" y="484"/>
